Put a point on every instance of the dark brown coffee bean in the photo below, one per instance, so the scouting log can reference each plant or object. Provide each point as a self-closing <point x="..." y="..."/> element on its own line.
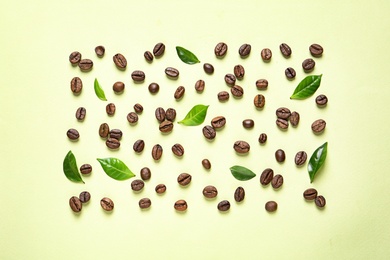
<point x="280" y="155"/>
<point x="76" y="85"/>
<point x="75" y="204"/>
<point x="271" y="206"/>
<point x="244" y="50"/>
<point x="294" y="118"/>
<point x="310" y="194"/>
<point x="120" y="61"/>
<point x="144" y="203"/>
<point x="85" y="64"/>
<point x="223" y="205"/>
<point x="180" y="205"/>
<point x="320" y="201"/>
<point x="220" y="49"/>
<point x="73" y="134"/>
<point x="285" y="50"/>
<point x="230" y="79"/>
<point x="321" y="100"/>
<point x="266" y="176"/>
<point x="112" y="143"/>
<point x="138" y="75"/>
<point x="104" y="130"/>
<point x="166" y="126"/>
<point x="263" y="138"/>
<point x="218" y="122"/>
<point x="290" y="73"/>
<point x="266" y="54"/>
<point x="316" y="50"/>
<point x="210" y="192"/>
<point x="283" y="113"/>
<point x="318" y="126"/>
<point x="118" y="87"/>
<point x="160" y="188"/>
<point x="75" y="57"/>
<point x="170" y="114"/>
<point x="300" y="158"/>
<point x="237" y="91"/>
<point x="132" y="117"/>
<point x="199" y="85"/>
<point x="107" y="204"/>
<point x="157" y="152"/>
<point x="179" y="93"/>
<point x="172" y="72"/>
<point x="184" y="179"/>
<point x="145" y="173"/>
<point x="261" y="84"/>
<point x="239" y="194"/>
<point x="206" y="164"/>
<point x="139" y="146"/>
<point x="110" y="109"/>
<point x="223" y="96"/>
<point x="209" y="132"/>
<point x="116" y="133"/>
<point x="277" y="181"/>
<point x="159" y="49"/>
<point x="153" y="88"/>
<point x="241" y="147"/>
<point x="160" y="114"/>
<point x="178" y="150"/>
<point x="259" y="101"/>
<point x="248" y="123"/>
<point x="84" y="196"/>
<point x="148" y="56"/>
<point x="239" y="71"/>
<point x="138" y="108"/>
<point x="80" y="113"/>
<point x="282" y="123"/>
<point x="208" y="68"/>
<point x="308" y="65"/>
<point x="99" y="50"/>
<point x="137" y="185"/>
<point x="86" y="168"/>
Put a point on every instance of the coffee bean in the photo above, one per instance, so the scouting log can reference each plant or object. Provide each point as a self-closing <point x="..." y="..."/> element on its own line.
<point x="248" y="123"/>
<point x="139" y="146"/>
<point x="209" y="132"/>
<point x="282" y="123"/>
<point x="138" y="108"/>
<point x="110" y="109"/>
<point x="266" y="176"/>
<point x="107" y="204"/>
<point x="300" y="158"/>
<point x="223" y="96"/>
<point x="144" y="203"/>
<point x="120" y="61"/>
<point x="148" y="56"/>
<point x="179" y="93"/>
<point x="104" y="130"/>
<point x="85" y="64"/>
<point x="318" y="126"/>
<point x="118" y="87"/>
<point x="277" y="181"/>
<point x="73" y="134"/>
<point x="271" y="206"/>
<point x="132" y="117"/>
<point x="184" y="179"/>
<point x="178" y="150"/>
<point x="76" y="85"/>
<point x="239" y="71"/>
<point x="210" y="192"/>
<point x="180" y="205"/>
<point x="170" y="114"/>
<point x="137" y="185"/>
<point x="308" y="65"/>
<point x="230" y="79"/>
<point x="241" y="147"/>
<point x="86" y="168"/>
<point x="172" y="72"/>
<point x="320" y="201"/>
<point x="266" y="54"/>
<point x="153" y="88"/>
<point x="116" y="133"/>
<point x="285" y="50"/>
<point x="223" y="205"/>
<point x="237" y="91"/>
<point x="310" y="194"/>
<point x="239" y="194"/>
<point x="157" y="151"/>
<point x="321" y="100"/>
<point x="280" y="155"/>
<point x="145" y="173"/>
<point x="160" y="114"/>
<point x="290" y="73"/>
<point x="294" y="118"/>
<point x="259" y="101"/>
<point x="138" y="76"/>
<point x="99" y="50"/>
<point x="75" y="57"/>
<point x="283" y="113"/>
<point x="261" y="84"/>
<point x="160" y="188"/>
<point x="75" y="204"/>
<point x="84" y="196"/>
<point x="113" y="143"/>
<point x="80" y="113"/>
<point x="244" y="50"/>
<point x="166" y="126"/>
<point x="199" y="85"/>
<point x="263" y="138"/>
<point x="316" y="50"/>
<point x="208" y="68"/>
<point x="220" y="49"/>
<point x="159" y="49"/>
<point x="218" y="122"/>
<point x="206" y="164"/>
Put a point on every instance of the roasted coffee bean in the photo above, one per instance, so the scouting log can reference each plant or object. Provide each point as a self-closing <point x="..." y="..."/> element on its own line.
<point x="166" y="126"/>
<point x="116" y="133"/>
<point x="263" y="138"/>
<point x="237" y="91"/>
<point x="283" y="113"/>
<point x="118" y="87"/>
<point x="145" y="173"/>
<point x="266" y="54"/>
<point x="290" y="73"/>
<point x="75" y="204"/>
<point x="180" y="205"/>
<point x="112" y="143"/>
<point x="132" y="118"/>
<point x="160" y="188"/>
<point x="104" y="130"/>
<point x="99" y="50"/>
<point x="220" y="49"/>
<point x="294" y="118"/>
<point x="259" y="101"/>
<point x="75" y="57"/>
<point x="230" y="79"/>
<point x="208" y="68"/>
<point x="261" y="84"/>
<point x="244" y="50"/>
<point x="248" y="123"/>
<point x="138" y="108"/>
<point x="137" y="185"/>
<point x="308" y="65"/>
<point x="107" y="204"/>
<point x="86" y="168"/>
<point x="120" y="61"/>
<point x="80" y="113"/>
<point x="218" y="122"/>
<point x="199" y="85"/>
<point x="139" y="146"/>
<point x="210" y="192"/>
<point x="266" y="176"/>
<point x="239" y="194"/>
<point x="209" y="132"/>
<point x="157" y="152"/>
<point x="160" y="114"/>
<point x="159" y="49"/>
<point x="310" y="194"/>
<point x="277" y="181"/>
<point x="179" y="93"/>
<point x="282" y="123"/>
<point x="223" y="96"/>
<point x="184" y="179"/>
<point x="239" y="71"/>
<point x="320" y="201"/>
<point x="280" y="155"/>
<point x="300" y="158"/>
<point x="170" y="114"/>
<point x="85" y="64"/>
<point x="271" y="206"/>
<point x="148" y="56"/>
<point x="172" y="72"/>
<point x="73" y="134"/>
<point x="110" y="109"/>
<point x="321" y="100"/>
<point x="84" y="196"/>
<point x="318" y="126"/>
<point x="178" y="150"/>
<point x="153" y="88"/>
<point x="206" y="164"/>
<point x="223" y="205"/>
<point x="285" y="50"/>
<point x="316" y="50"/>
<point x="138" y="75"/>
<point x="76" y="85"/>
<point x="241" y="147"/>
<point x="144" y="203"/>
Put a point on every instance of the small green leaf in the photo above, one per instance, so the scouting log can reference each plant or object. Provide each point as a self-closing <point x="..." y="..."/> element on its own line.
<point x="99" y="91"/>
<point x="186" y="56"/>
<point x="317" y="160"/>
<point x="241" y="173"/>
<point x="195" y="116"/>
<point x="116" y="169"/>
<point x="70" y="168"/>
<point x="307" y="87"/>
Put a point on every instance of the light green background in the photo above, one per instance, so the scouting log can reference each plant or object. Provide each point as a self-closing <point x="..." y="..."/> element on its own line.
<point x="38" y="107"/>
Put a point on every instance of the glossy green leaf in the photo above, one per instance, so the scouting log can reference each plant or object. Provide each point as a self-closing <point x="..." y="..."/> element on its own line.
<point x="195" y="116"/>
<point x="317" y="160"/>
<point x="99" y="91"/>
<point x="116" y="169"/>
<point x="307" y="87"/>
<point x="186" y="56"/>
<point x="70" y="168"/>
<point x="241" y="173"/>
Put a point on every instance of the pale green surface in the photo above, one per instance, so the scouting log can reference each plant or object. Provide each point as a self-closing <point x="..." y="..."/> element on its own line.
<point x="38" y="108"/>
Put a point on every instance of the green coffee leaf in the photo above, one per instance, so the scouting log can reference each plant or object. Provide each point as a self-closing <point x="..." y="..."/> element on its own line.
<point x="317" y="160"/>
<point x="99" y="91"/>
<point x="195" y="116"/>
<point x="241" y="173"/>
<point x="116" y="169"/>
<point x="307" y="87"/>
<point x="186" y="56"/>
<point x="70" y="168"/>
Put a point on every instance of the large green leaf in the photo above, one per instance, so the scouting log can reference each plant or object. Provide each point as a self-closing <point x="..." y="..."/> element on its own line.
<point x="317" y="160"/>
<point x="307" y="87"/>
<point x="186" y="56"/>
<point x="195" y="116"/>
<point x="99" y="91"/>
<point x="70" y="168"/>
<point x="241" y="173"/>
<point x="116" y="169"/>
